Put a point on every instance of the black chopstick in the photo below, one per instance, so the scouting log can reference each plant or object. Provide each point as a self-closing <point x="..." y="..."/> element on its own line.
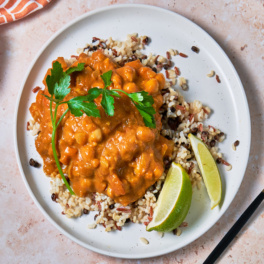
<point x="219" y="249"/>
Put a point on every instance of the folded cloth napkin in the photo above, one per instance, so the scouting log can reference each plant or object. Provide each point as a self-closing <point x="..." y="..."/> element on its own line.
<point x="12" y="10"/>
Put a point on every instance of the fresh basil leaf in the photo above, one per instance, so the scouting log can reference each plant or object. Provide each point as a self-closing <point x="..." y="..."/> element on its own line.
<point x="107" y="78"/>
<point x="56" y="75"/>
<point x="79" y="104"/>
<point x="79" y="67"/>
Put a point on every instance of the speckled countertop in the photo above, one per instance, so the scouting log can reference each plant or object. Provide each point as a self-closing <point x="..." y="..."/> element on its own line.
<point x="26" y="236"/>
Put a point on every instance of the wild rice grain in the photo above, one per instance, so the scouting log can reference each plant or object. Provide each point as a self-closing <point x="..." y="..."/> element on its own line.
<point x="145" y="40"/>
<point x="219" y="160"/>
<point x="212" y="143"/>
<point x="177" y="71"/>
<point x="144" y="240"/>
<point x="85" y="211"/>
<point x="236" y="143"/>
<point x="211" y="74"/>
<point x="161" y="234"/>
<point x="54" y="196"/>
<point x="228" y="168"/>
<point x="167" y="74"/>
<point x="195" y="49"/>
<point x="34" y="163"/>
<point x="36" y="89"/>
<point x="92" y="226"/>
<point x="183" y="55"/>
<point x="168" y="55"/>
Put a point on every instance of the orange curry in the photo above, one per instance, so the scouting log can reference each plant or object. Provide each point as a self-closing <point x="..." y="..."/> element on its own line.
<point x="118" y="155"/>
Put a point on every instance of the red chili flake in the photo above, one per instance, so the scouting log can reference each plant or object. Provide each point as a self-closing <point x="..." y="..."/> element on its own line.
<point x="177" y="71"/>
<point x="103" y="224"/>
<point x="183" y="55"/>
<point x="225" y="162"/>
<point x="167" y="74"/>
<point x="74" y="56"/>
<point x="146" y="223"/>
<point x="156" y="60"/>
<point x="28" y="124"/>
<point x="180" y="107"/>
<point x="151" y="211"/>
<point x="99" y="206"/>
<point x="62" y="213"/>
<point x="212" y="127"/>
<point x="191" y="117"/>
<point x="200" y="127"/>
<point x="217" y="78"/>
<point x="134" y="38"/>
<point x="168" y="55"/>
<point x="150" y="219"/>
<point x="121" y="209"/>
<point x="36" y="89"/>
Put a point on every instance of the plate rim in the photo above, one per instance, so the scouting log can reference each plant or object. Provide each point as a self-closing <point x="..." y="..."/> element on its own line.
<point x="15" y="131"/>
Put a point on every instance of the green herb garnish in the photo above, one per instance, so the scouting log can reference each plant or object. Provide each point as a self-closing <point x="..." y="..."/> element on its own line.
<point x="58" y="86"/>
<point x="142" y="100"/>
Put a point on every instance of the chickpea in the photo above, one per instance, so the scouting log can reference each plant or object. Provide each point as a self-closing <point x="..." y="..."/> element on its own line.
<point x="95" y="74"/>
<point x="81" y="138"/>
<point x="99" y="84"/>
<point x="95" y="163"/>
<point x="152" y="86"/>
<point x="117" y="81"/>
<point x="96" y="135"/>
<point x="145" y="134"/>
<point x="160" y="78"/>
<point x="130" y="87"/>
<point x="128" y="73"/>
<point x="87" y="152"/>
<point x="146" y="73"/>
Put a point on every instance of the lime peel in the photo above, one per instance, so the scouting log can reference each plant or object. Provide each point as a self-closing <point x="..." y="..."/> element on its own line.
<point x="174" y="201"/>
<point x="209" y="170"/>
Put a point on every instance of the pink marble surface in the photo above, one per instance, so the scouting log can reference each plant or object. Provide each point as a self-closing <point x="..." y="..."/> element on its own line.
<point x="26" y="236"/>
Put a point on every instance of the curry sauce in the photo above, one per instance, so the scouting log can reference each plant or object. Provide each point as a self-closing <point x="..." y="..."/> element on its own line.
<point x="115" y="155"/>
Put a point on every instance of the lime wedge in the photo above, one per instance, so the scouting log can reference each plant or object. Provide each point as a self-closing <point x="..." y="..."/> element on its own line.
<point x="174" y="201"/>
<point x="209" y="170"/>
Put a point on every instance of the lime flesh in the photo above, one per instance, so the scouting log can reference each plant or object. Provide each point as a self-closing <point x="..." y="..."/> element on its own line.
<point x="174" y="201"/>
<point x="209" y="170"/>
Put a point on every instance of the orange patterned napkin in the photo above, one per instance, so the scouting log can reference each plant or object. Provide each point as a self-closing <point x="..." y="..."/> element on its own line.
<point x="12" y="10"/>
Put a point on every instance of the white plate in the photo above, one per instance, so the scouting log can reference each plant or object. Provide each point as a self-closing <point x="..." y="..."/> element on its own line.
<point x="227" y="99"/>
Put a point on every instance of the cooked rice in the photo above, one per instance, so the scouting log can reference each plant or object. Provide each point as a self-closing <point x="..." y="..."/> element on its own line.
<point x="178" y="118"/>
